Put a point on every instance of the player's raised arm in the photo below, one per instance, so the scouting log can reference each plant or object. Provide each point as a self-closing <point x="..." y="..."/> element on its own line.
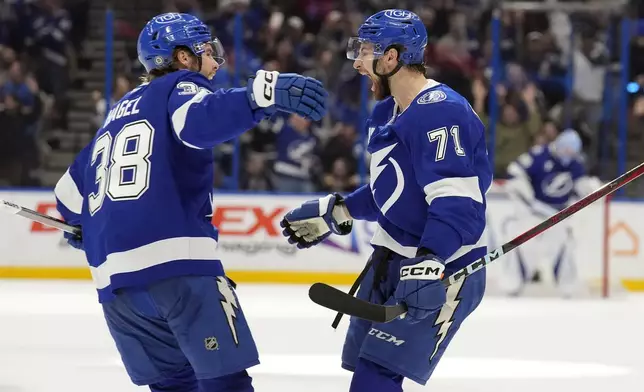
<point x="450" y="164"/>
<point x="202" y="118"/>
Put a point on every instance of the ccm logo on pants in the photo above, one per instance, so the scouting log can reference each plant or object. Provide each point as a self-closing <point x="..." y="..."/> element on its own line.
<point x="386" y="337"/>
<point x="425" y="270"/>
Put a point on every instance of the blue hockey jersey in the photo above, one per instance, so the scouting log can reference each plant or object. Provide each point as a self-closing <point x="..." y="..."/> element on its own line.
<point x="141" y="190"/>
<point x="295" y="151"/>
<point x="429" y="175"/>
<point x="539" y="175"/>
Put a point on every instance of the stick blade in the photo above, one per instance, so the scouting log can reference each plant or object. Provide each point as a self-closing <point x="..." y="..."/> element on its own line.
<point x="339" y="301"/>
<point x="9" y="207"/>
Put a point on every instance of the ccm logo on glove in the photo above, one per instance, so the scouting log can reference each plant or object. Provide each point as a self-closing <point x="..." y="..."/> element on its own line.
<point x="268" y="88"/>
<point x="425" y="270"/>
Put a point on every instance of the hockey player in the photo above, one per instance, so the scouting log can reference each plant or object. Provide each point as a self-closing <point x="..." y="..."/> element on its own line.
<point x="544" y="181"/>
<point x="429" y="175"/>
<point x="141" y="190"/>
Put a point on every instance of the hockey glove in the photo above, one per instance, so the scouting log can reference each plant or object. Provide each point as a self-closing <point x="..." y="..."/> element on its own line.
<point x="420" y="287"/>
<point x="289" y="92"/>
<point x="315" y="220"/>
<point x="74" y="240"/>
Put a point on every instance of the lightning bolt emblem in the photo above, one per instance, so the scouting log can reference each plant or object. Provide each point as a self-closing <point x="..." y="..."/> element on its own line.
<point x="376" y="159"/>
<point x="377" y="169"/>
<point x="445" y="317"/>
<point x="228" y="304"/>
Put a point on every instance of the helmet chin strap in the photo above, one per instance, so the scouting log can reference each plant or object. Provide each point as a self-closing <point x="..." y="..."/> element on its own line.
<point x="385" y="77"/>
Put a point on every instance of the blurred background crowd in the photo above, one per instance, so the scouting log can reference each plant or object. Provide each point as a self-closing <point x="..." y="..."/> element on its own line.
<point x="52" y="67"/>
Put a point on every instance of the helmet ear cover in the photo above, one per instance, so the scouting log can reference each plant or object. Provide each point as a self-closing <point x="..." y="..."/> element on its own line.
<point x="399" y="48"/>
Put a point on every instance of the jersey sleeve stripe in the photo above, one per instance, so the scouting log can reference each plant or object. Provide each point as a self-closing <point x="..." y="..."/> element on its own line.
<point x="67" y="192"/>
<point x="156" y="253"/>
<point x="454" y="187"/>
<point x="180" y="115"/>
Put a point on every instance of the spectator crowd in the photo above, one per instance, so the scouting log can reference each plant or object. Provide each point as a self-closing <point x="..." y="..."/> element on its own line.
<point x="286" y="153"/>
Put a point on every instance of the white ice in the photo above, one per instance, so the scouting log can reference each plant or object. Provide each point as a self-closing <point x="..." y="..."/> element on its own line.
<point x="53" y="338"/>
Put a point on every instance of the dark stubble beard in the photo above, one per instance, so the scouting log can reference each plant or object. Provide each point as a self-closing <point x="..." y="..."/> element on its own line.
<point x="382" y="89"/>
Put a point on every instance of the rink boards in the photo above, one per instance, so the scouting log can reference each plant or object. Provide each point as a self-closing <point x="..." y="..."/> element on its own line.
<point x="253" y="250"/>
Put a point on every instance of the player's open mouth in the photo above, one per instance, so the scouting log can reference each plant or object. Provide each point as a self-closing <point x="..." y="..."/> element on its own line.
<point x="373" y="83"/>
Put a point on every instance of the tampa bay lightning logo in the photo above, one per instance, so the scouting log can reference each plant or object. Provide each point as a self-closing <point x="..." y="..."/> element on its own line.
<point x="299" y="150"/>
<point x="432" y="97"/>
<point x="557" y="185"/>
<point x="376" y="170"/>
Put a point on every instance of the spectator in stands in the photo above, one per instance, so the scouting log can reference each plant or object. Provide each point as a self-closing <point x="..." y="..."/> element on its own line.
<point x="296" y="147"/>
<point x="121" y="87"/>
<point x="256" y="177"/>
<point x="590" y="63"/>
<point x="50" y="42"/>
<point x="7" y="57"/>
<point x="338" y="160"/>
<point x="13" y="142"/>
<point x="518" y="125"/>
<point x="17" y="85"/>
<point x="339" y="178"/>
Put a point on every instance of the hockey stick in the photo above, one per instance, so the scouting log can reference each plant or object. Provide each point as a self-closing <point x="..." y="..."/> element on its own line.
<point x="47" y="220"/>
<point x="332" y="298"/>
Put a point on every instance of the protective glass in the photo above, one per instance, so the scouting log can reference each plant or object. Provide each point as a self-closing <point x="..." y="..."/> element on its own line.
<point x="360" y="49"/>
<point x="217" y="48"/>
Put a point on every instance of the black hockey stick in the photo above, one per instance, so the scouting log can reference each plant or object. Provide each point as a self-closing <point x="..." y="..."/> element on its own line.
<point x="47" y="220"/>
<point x="332" y="298"/>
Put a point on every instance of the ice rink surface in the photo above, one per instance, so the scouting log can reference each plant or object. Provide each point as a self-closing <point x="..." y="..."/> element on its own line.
<point x="53" y="338"/>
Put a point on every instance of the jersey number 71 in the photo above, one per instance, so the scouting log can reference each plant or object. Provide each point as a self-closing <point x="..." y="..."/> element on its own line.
<point x="440" y="135"/>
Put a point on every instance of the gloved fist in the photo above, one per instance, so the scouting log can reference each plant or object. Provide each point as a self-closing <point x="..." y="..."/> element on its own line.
<point x="288" y="92"/>
<point x="315" y="220"/>
<point x="74" y="240"/>
<point x="420" y="287"/>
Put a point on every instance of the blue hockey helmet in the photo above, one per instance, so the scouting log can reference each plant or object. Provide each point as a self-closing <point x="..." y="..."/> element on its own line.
<point x="386" y="28"/>
<point x="165" y="32"/>
<point x="567" y="146"/>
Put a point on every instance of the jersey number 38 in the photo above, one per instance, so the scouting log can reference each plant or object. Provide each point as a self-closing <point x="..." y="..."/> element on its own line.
<point x="123" y="170"/>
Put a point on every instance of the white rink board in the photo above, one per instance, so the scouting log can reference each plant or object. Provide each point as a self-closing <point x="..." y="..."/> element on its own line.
<point x="251" y="238"/>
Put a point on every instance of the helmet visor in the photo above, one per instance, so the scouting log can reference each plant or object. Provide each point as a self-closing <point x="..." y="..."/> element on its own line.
<point x="360" y="49"/>
<point x="216" y="50"/>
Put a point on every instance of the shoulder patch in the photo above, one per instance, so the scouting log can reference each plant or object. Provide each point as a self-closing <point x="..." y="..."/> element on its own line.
<point x="432" y="97"/>
<point x="190" y="88"/>
<point x="187" y="88"/>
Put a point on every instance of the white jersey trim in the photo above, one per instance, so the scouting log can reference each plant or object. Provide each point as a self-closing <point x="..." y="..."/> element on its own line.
<point x="156" y="253"/>
<point x="382" y="238"/>
<point x="454" y="187"/>
<point x="67" y="192"/>
<point x="180" y="115"/>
